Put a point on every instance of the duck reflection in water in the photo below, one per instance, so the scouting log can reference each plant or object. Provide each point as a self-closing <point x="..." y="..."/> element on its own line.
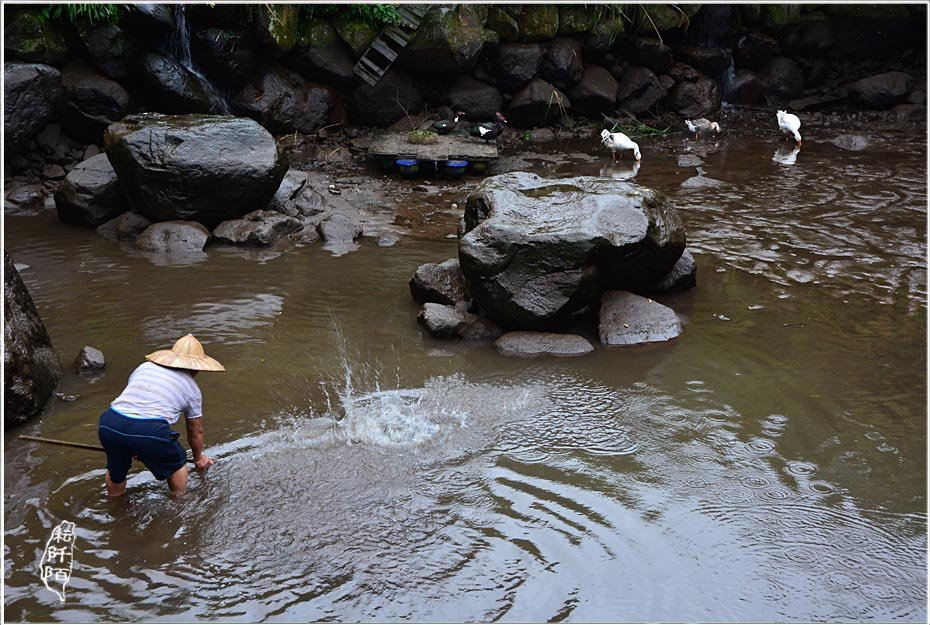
<point x="786" y="155"/>
<point x="621" y="170"/>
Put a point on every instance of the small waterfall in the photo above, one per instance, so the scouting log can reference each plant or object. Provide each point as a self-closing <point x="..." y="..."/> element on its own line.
<point x="179" y="49"/>
<point x="727" y="81"/>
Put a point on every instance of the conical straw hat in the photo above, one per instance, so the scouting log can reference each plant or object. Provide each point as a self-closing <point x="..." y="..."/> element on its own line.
<point x="187" y="353"/>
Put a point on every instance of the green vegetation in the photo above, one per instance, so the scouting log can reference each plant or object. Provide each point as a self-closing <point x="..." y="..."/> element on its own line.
<point x="422" y="137"/>
<point x="636" y="129"/>
<point x="377" y="15"/>
<point x="93" y="13"/>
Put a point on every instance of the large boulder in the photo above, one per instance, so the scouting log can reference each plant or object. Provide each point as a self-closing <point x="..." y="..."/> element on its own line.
<point x="395" y="96"/>
<point x="783" y="79"/>
<point x="875" y="31"/>
<point x="561" y="64"/>
<point x="517" y="64"/>
<point x="113" y="52"/>
<point x="31" y="368"/>
<point x="174" y="88"/>
<point x="321" y="55"/>
<point x="276" y="26"/>
<point x="194" y="167"/>
<point x="697" y="98"/>
<point x="538" y="251"/>
<point x="881" y="91"/>
<point x="262" y="228"/>
<point x="31" y="94"/>
<point x="91" y="103"/>
<point x="648" y="52"/>
<point x="811" y="36"/>
<point x="355" y="31"/>
<point x="90" y="194"/>
<point x="711" y="61"/>
<point x="281" y="101"/>
<point x="628" y="319"/>
<point x="226" y="56"/>
<point x="537" y="104"/>
<point x="639" y="90"/>
<point x="31" y="39"/>
<point x="536" y="22"/>
<point x="576" y="20"/>
<point x="477" y="99"/>
<point x="448" y="40"/>
<point x="440" y="283"/>
<point x="755" y="51"/>
<point x="596" y="94"/>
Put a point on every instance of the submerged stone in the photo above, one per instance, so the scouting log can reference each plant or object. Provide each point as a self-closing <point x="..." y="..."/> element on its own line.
<point x="531" y="344"/>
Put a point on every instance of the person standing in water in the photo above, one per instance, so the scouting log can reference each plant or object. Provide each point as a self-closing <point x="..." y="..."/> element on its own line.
<point x="137" y="423"/>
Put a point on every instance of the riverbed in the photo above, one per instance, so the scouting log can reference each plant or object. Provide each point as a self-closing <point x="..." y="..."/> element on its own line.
<point x="768" y="465"/>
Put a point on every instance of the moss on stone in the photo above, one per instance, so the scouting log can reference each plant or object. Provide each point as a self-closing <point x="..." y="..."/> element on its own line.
<point x="316" y="32"/>
<point x="576" y="19"/>
<point x="778" y="15"/>
<point x="355" y="31"/>
<point x="501" y="22"/>
<point x="538" y="22"/>
<point x="280" y="22"/>
<point x="28" y="38"/>
<point x="868" y="11"/>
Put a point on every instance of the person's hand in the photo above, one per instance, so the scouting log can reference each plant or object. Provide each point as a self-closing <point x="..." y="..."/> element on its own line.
<point x="203" y="462"/>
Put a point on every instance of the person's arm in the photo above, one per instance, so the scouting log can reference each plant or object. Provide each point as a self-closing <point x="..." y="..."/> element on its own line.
<point x="195" y="440"/>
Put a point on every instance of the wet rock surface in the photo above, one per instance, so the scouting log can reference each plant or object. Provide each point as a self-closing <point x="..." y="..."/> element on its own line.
<point x="440" y="283"/>
<point x="31" y="368"/>
<point x="90" y="194"/>
<point x="537" y="251"/>
<point x="262" y="228"/>
<point x="533" y="344"/>
<point x="89" y="361"/>
<point x="682" y="277"/>
<point x="628" y="319"/>
<point x="173" y="237"/>
<point x="31" y="92"/>
<point x="882" y="90"/>
<point x="194" y="167"/>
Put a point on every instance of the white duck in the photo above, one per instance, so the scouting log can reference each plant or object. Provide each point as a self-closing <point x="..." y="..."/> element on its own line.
<point x="789" y="124"/>
<point x="619" y="142"/>
<point x="697" y="126"/>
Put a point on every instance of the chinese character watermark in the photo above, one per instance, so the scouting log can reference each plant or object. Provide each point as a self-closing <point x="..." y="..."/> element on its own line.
<point x="55" y="568"/>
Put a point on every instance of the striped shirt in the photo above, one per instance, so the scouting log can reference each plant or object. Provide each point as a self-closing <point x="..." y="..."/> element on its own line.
<point x="154" y="391"/>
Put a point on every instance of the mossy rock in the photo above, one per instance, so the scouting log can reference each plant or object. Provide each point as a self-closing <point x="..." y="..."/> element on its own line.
<point x="317" y="32"/>
<point x="448" y="40"/>
<point x="276" y="26"/>
<point x="503" y="23"/>
<point x="649" y="18"/>
<point x="606" y="32"/>
<point x="356" y="32"/>
<point x="868" y="11"/>
<point x="538" y="22"/>
<point x="577" y="19"/>
<point x="28" y="38"/>
<point x="777" y="16"/>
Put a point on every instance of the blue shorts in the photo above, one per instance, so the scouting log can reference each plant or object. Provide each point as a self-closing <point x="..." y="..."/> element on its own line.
<point x="152" y="440"/>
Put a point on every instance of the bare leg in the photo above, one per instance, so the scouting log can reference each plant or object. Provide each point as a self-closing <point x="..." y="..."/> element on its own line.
<point x="114" y="489"/>
<point x="177" y="483"/>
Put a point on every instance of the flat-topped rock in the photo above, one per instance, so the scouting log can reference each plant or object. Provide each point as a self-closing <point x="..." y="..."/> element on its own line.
<point x="537" y="251"/>
<point x="531" y="344"/>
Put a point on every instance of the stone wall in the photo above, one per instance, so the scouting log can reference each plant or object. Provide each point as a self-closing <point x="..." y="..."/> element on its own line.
<point x="535" y="63"/>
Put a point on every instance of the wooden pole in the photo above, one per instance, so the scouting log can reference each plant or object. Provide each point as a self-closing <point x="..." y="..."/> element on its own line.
<point x="54" y="441"/>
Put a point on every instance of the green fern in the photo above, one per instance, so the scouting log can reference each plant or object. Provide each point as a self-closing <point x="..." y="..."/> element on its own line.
<point x="93" y="13"/>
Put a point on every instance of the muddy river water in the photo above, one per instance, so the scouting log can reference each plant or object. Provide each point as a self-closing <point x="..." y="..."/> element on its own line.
<point x="768" y="465"/>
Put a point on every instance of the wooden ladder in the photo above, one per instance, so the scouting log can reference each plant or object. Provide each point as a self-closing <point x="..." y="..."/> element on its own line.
<point x="388" y="45"/>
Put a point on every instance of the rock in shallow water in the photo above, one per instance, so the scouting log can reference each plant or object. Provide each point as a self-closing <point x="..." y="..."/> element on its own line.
<point x="89" y="361"/>
<point x="441" y="283"/>
<point x="628" y="319"/>
<point x="194" y="167"/>
<point x="262" y="228"/>
<point x="531" y="344"/>
<point x="539" y="251"/>
<point x="173" y="237"/>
